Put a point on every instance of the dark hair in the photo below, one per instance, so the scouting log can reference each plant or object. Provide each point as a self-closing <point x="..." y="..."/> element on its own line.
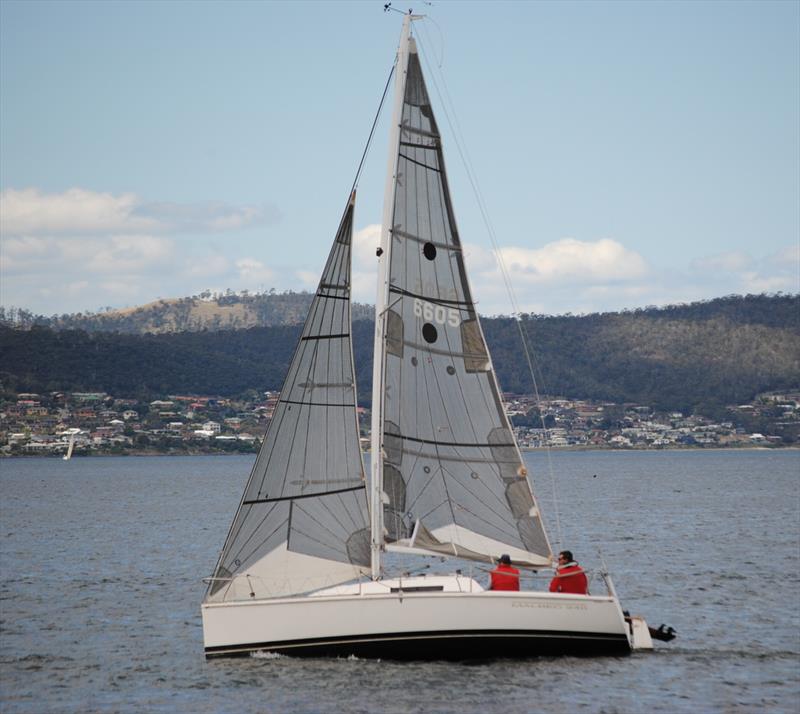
<point x="567" y="555"/>
<point x="505" y="559"/>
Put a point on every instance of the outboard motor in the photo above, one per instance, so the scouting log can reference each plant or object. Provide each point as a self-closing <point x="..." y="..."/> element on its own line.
<point x="663" y="633"/>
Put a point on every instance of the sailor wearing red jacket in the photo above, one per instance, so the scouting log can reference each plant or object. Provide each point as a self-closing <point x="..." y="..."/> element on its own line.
<point x="504" y="576"/>
<point x="570" y="577"/>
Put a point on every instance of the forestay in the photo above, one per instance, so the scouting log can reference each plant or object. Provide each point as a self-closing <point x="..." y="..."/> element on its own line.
<point x="452" y="471"/>
<point x="302" y="522"/>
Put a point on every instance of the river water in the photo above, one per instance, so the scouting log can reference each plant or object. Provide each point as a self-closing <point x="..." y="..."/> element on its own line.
<point x="101" y="560"/>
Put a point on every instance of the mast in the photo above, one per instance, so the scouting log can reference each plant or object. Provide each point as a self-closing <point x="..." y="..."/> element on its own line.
<point x="381" y="304"/>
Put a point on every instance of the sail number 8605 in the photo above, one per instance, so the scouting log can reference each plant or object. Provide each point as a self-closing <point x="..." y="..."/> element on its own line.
<point x="436" y="313"/>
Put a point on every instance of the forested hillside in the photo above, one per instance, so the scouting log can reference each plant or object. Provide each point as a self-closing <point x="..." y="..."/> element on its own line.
<point x="689" y="357"/>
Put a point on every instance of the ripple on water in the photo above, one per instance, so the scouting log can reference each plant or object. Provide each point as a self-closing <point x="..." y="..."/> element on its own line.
<point x="104" y="616"/>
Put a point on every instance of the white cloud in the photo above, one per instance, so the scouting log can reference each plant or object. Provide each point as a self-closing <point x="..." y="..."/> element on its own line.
<point x="570" y="260"/>
<point x="307" y="279"/>
<point x="204" y="216"/>
<point x="30" y="212"/>
<point x="364" y="277"/>
<point x="208" y="266"/>
<point x="788" y="257"/>
<point x="124" y="254"/>
<point x="728" y="262"/>
<point x="253" y="272"/>
<point x="743" y="273"/>
<point x="77" y="249"/>
<point x="756" y="283"/>
<point x="81" y="212"/>
<point x="77" y="287"/>
<point x="17" y="253"/>
<point x="123" y="288"/>
<point x="567" y="275"/>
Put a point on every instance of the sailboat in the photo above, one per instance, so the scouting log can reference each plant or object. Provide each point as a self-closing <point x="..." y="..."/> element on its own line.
<point x="71" y="444"/>
<point x="303" y="570"/>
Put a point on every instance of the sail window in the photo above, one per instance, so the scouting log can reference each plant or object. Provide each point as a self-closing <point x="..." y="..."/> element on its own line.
<point x="429" y="250"/>
<point x="430" y="333"/>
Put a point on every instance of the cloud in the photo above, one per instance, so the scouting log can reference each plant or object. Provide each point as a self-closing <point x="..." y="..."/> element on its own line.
<point x="253" y="272"/>
<point x="207" y="216"/>
<point x="78" y="211"/>
<point x="364" y="276"/>
<point x="77" y="249"/>
<point x="566" y="275"/>
<point x="124" y="254"/>
<point x="743" y="273"/>
<point x="18" y="252"/>
<point x="208" y="266"/>
<point x="115" y="254"/>
<point x="308" y="280"/>
<point x="755" y="283"/>
<point x="788" y="257"/>
<point x="729" y="262"/>
<point x="570" y="260"/>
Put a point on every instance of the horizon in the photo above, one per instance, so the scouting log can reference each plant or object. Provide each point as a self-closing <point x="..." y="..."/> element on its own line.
<point x="271" y="292"/>
<point x="629" y="153"/>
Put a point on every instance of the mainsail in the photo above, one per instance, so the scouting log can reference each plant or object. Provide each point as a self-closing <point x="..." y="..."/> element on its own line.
<point x="302" y="522"/>
<point x="452" y="474"/>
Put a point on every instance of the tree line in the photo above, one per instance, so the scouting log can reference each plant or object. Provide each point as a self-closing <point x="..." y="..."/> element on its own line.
<point x="690" y="358"/>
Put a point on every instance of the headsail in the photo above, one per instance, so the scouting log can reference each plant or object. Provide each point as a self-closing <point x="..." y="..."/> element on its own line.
<point x="302" y="522"/>
<point x="451" y="469"/>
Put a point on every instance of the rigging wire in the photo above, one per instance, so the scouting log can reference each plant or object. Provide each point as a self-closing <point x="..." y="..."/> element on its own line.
<point x="458" y="135"/>
<point x="372" y="130"/>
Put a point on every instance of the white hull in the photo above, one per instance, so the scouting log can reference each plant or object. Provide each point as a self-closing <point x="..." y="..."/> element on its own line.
<point x="370" y="620"/>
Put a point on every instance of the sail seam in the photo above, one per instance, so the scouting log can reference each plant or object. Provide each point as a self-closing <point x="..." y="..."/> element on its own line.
<point x="333" y="297"/>
<point x="410" y="236"/>
<point x="420" y="132"/>
<point x="447" y="353"/>
<point x="411" y="144"/>
<point x="419" y="163"/>
<point x="326" y="337"/>
<point x="451" y="443"/>
<point x="315" y="404"/>
<point x="433" y="300"/>
<point x="304" y="495"/>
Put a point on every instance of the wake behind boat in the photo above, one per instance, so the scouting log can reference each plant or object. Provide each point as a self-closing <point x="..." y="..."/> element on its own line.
<point x="303" y="569"/>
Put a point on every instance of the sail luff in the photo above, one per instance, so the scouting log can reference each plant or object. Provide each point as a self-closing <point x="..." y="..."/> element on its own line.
<point x="381" y="303"/>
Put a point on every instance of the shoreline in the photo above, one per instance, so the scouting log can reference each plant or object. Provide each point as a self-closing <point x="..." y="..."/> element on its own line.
<point x="570" y="449"/>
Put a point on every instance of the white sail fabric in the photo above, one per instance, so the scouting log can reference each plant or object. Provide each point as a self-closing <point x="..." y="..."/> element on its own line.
<point x="302" y="522"/>
<point x="452" y="471"/>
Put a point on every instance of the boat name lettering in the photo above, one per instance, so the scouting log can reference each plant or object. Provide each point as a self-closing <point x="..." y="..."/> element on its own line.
<point x="550" y="605"/>
<point x="437" y="313"/>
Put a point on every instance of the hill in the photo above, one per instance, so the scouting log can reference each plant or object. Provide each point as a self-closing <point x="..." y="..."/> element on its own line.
<point x="696" y="357"/>
<point x="207" y="311"/>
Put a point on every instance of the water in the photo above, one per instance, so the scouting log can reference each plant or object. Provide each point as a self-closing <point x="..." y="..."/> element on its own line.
<point x="101" y="562"/>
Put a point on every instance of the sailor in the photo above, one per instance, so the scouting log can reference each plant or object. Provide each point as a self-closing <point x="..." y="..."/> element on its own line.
<point x="504" y="576"/>
<point x="570" y="577"/>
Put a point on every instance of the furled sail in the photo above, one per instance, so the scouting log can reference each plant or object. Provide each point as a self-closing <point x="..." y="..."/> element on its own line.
<point x="453" y="475"/>
<point x="302" y="522"/>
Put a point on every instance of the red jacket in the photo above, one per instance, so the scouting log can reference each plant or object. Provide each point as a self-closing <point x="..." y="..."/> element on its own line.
<point x="570" y="579"/>
<point x="504" y="577"/>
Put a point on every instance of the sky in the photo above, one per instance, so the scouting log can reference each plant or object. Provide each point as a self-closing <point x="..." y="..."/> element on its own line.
<point x="627" y="153"/>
